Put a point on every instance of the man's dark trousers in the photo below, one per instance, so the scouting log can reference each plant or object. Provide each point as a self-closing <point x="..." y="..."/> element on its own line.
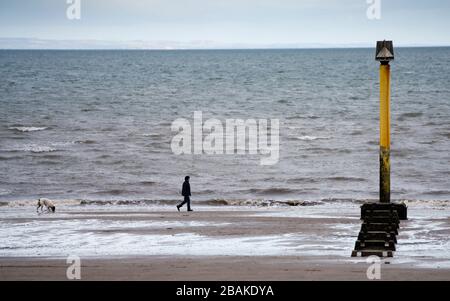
<point x="187" y="200"/>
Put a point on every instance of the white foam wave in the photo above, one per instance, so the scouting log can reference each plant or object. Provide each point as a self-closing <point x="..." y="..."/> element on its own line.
<point x="27" y="128"/>
<point x="151" y="134"/>
<point x="4" y="191"/>
<point x="38" y="149"/>
<point x="28" y="203"/>
<point x="311" y="138"/>
<point x="33" y="148"/>
<point x="222" y="202"/>
<point x="432" y="203"/>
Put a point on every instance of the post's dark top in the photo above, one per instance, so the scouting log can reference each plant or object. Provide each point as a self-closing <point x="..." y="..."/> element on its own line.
<point x="186" y="191"/>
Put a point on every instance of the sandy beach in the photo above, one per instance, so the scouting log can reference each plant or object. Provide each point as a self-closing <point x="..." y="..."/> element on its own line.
<point x="219" y="268"/>
<point x="215" y="243"/>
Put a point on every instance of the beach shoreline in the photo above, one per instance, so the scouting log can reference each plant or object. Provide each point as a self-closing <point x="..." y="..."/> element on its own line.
<point x="236" y="243"/>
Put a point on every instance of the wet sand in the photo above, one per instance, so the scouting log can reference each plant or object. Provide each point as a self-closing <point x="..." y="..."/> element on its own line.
<point x="221" y="268"/>
<point x="277" y="245"/>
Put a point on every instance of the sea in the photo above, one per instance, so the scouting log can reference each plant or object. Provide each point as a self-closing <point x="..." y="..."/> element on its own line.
<point x="95" y="126"/>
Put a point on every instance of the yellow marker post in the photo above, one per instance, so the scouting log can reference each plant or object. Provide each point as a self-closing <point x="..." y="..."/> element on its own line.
<point x="381" y="220"/>
<point x="384" y="54"/>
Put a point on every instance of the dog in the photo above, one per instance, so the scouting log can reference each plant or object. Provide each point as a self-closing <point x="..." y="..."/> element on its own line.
<point x="47" y="203"/>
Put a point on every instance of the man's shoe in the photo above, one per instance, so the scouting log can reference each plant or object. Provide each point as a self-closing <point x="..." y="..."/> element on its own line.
<point x="190" y="210"/>
<point x="178" y="208"/>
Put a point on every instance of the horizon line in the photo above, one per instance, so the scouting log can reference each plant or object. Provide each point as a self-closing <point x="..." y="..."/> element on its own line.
<point x="212" y="49"/>
<point x="22" y="43"/>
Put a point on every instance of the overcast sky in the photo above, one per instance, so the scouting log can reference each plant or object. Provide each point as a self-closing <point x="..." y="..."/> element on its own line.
<point x="216" y="23"/>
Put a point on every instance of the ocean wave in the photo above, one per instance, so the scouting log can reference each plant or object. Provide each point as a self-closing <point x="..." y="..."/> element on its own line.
<point x="36" y="148"/>
<point x="28" y="203"/>
<point x="345" y="179"/>
<point x="302" y="180"/>
<point x="311" y="138"/>
<point x="127" y="202"/>
<point x="113" y="192"/>
<point x="275" y="191"/>
<point x="446" y="135"/>
<point x="318" y="149"/>
<point x="437" y="192"/>
<point x="430" y="142"/>
<point x="206" y="192"/>
<point x="262" y="203"/>
<point x="223" y="202"/>
<point x="86" y="141"/>
<point x="408" y="202"/>
<point x="33" y="148"/>
<point x="3" y="158"/>
<point x="302" y="117"/>
<point x="409" y="115"/>
<point x="90" y="110"/>
<point x="63" y="143"/>
<point x="211" y="202"/>
<point x="404" y="152"/>
<point x="39" y="149"/>
<point x="4" y="191"/>
<point x="115" y="162"/>
<point x="24" y="129"/>
<point x="357" y="133"/>
<point x="152" y="135"/>
<point x="433" y="203"/>
<point x="326" y="150"/>
<point x="148" y="183"/>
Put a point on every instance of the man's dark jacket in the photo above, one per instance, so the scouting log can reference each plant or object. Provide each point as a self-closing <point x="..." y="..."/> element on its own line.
<point x="186" y="189"/>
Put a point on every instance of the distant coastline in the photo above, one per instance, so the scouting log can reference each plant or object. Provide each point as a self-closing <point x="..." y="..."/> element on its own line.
<point x="53" y="44"/>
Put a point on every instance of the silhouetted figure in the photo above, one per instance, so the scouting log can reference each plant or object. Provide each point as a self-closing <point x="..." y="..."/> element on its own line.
<point x="186" y="192"/>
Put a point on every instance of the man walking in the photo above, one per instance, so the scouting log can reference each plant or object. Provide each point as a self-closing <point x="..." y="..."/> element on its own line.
<point x="186" y="192"/>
